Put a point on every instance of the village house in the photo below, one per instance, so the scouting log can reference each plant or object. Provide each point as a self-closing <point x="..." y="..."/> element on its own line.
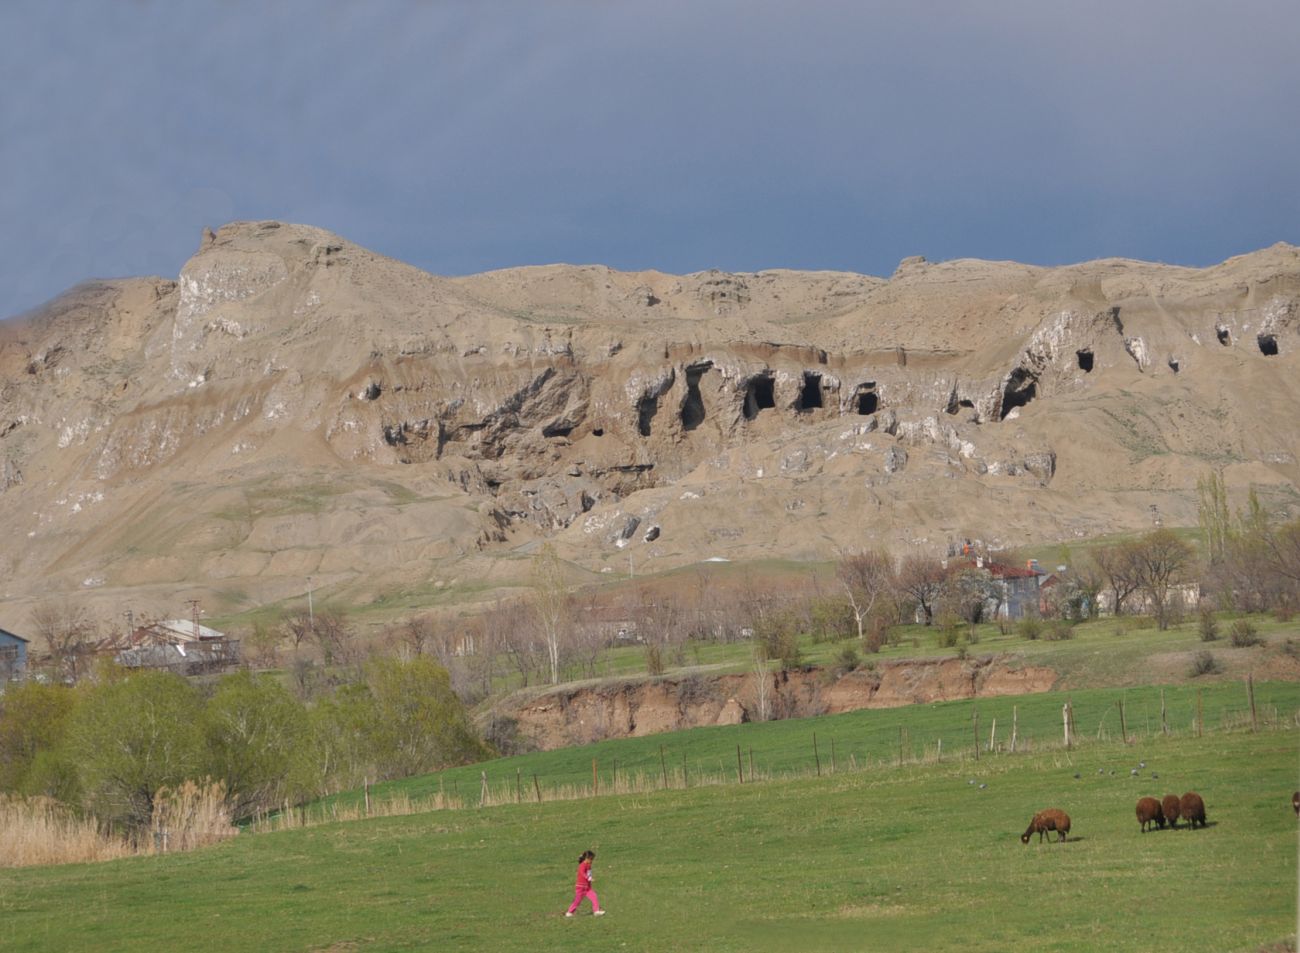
<point x="1017" y="587"/>
<point x="178" y="645"/>
<point x="13" y="656"/>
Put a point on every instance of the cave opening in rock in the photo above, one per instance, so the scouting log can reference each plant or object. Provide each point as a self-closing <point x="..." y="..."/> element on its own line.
<point x="1224" y="336"/>
<point x="373" y="390"/>
<point x="810" y="395"/>
<point x="559" y="428"/>
<point x="1173" y="364"/>
<point x="646" y="408"/>
<point x="1022" y="387"/>
<point x="693" y="403"/>
<point x="598" y="431"/>
<point x="1267" y="345"/>
<point x="1085" y="359"/>
<point x="867" y="402"/>
<point x="760" y="394"/>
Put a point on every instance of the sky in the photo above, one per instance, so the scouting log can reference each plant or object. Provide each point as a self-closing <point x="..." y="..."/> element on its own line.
<point x="681" y="136"/>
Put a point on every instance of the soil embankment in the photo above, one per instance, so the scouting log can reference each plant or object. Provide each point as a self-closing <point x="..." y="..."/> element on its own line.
<point x="573" y="716"/>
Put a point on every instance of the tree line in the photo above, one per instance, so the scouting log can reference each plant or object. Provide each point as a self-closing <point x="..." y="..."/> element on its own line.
<point x="113" y="741"/>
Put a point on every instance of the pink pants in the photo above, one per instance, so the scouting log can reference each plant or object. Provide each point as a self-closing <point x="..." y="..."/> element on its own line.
<point x="579" y="893"/>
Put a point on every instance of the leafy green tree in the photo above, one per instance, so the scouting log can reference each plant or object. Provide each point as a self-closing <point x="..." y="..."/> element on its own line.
<point x="253" y="728"/>
<point x="130" y="738"/>
<point x="33" y="718"/>
<point x="419" y="723"/>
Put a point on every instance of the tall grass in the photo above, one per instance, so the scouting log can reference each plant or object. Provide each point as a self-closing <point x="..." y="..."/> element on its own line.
<point x="39" y="831"/>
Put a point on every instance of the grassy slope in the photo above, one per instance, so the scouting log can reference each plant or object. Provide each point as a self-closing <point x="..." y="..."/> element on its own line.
<point x="882" y="858"/>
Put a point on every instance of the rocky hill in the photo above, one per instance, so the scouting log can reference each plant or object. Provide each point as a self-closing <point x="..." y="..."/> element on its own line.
<point x="296" y="406"/>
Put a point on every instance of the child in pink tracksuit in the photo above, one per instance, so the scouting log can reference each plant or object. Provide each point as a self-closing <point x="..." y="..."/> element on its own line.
<point x="582" y="888"/>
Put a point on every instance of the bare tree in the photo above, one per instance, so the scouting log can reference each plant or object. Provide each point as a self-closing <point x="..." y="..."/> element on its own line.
<point x="335" y="637"/>
<point x="1117" y="565"/>
<point x="762" y="684"/>
<point x="1161" y="562"/>
<point x="921" y="578"/>
<point x="66" y="632"/>
<point x="869" y="583"/>
<point x="297" y="627"/>
<point x="550" y="604"/>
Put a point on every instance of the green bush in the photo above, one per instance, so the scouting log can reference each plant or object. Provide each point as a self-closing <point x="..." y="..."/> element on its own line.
<point x="1029" y="628"/>
<point x="1060" y="630"/>
<point x="1243" y="634"/>
<point x="1204" y="663"/>
<point x="847" y="660"/>
<point x="1208" y="625"/>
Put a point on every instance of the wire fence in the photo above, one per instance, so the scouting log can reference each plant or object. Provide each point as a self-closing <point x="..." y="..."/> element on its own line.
<point x="962" y="733"/>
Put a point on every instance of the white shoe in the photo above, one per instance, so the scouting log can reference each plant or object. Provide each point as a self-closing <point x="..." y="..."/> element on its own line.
<point x="568" y="914"/>
<point x="599" y="913"/>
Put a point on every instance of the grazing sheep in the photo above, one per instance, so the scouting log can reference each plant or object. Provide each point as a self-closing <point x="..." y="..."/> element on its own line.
<point x="1295" y="803"/>
<point x="1150" y="812"/>
<point x="1193" y="809"/>
<point x="1051" y="819"/>
<point x="1171" y="809"/>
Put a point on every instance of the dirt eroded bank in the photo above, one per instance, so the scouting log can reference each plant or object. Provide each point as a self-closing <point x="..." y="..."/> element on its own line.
<point x="578" y="715"/>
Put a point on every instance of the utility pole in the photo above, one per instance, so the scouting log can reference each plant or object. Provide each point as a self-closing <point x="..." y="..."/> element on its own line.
<point x="311" y="614"/>
<point x="194" y="616"/>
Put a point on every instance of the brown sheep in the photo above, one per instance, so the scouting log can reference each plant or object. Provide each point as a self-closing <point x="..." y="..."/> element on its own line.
<point x="1150" y="812"/>
<point x="1295" y="803"/>
<point x="1051" y="819"/>
<point x="1169" y="806"/>
<point x="1193" y="809"/>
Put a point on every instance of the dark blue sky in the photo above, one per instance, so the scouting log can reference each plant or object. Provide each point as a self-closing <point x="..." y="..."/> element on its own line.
<point x="462" y="136"/>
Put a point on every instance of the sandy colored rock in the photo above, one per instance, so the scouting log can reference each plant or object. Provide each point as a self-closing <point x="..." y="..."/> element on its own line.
<point x="295" y="406"/>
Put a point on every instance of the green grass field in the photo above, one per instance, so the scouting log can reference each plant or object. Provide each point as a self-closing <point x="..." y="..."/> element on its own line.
<point x="873" y="858"/>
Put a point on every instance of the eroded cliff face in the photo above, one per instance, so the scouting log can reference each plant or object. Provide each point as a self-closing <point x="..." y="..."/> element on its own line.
<point x="580" y="715"/>
<point x="294" y="405"/>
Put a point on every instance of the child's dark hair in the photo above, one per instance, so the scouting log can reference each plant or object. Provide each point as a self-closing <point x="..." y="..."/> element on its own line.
<point x="586" y="855"/>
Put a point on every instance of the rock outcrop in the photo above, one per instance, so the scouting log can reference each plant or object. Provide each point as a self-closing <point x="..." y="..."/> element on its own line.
<point x="294" y="405"/>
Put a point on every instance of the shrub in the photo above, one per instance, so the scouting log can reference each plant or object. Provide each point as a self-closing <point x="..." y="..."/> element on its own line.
<point x="848" y="659"/>
<point x="654" y="660"/>
<point x="1204" y="663"/>
<point x="1243" y="634"/>
<point x="1059" y="630"/>
<point x="946" y="633"/>
<point x="1292" y="648"/>
<point x="972" y="635"/>
<point x="1208" y="625"/>
<point x="1029" y="628"/>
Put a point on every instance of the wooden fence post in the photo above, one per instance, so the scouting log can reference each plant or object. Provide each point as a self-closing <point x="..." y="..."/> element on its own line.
<point x="1065" y="720"/>
<point x="1123" y="728"/>
<point x="538" y="788"/>
<point x="1164" y="720"/>
<point x="483" y="789"/>
<point x="832" y="756"/>
<point x="900" y="746"/>
<point x="519" y="786"/>
<point x="975" y="729"/>
<point x="740" y="767"/>
<point x="993" y="735"/>
<point x="365" y="786"/>
<point x="1250" y="691"/>
<point x="686" y="782"/>
<point x="595" y="779"/>
<point x="1200" y="716"/>
<point x="1015" y="726"/>
<point x="940" y="751"/>
<point x="816" y="757"/>
<point x="664" y="765"/>
<point x="751" y="764"/>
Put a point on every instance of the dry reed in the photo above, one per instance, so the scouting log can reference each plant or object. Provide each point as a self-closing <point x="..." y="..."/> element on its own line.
<point x="37" y="831"/>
